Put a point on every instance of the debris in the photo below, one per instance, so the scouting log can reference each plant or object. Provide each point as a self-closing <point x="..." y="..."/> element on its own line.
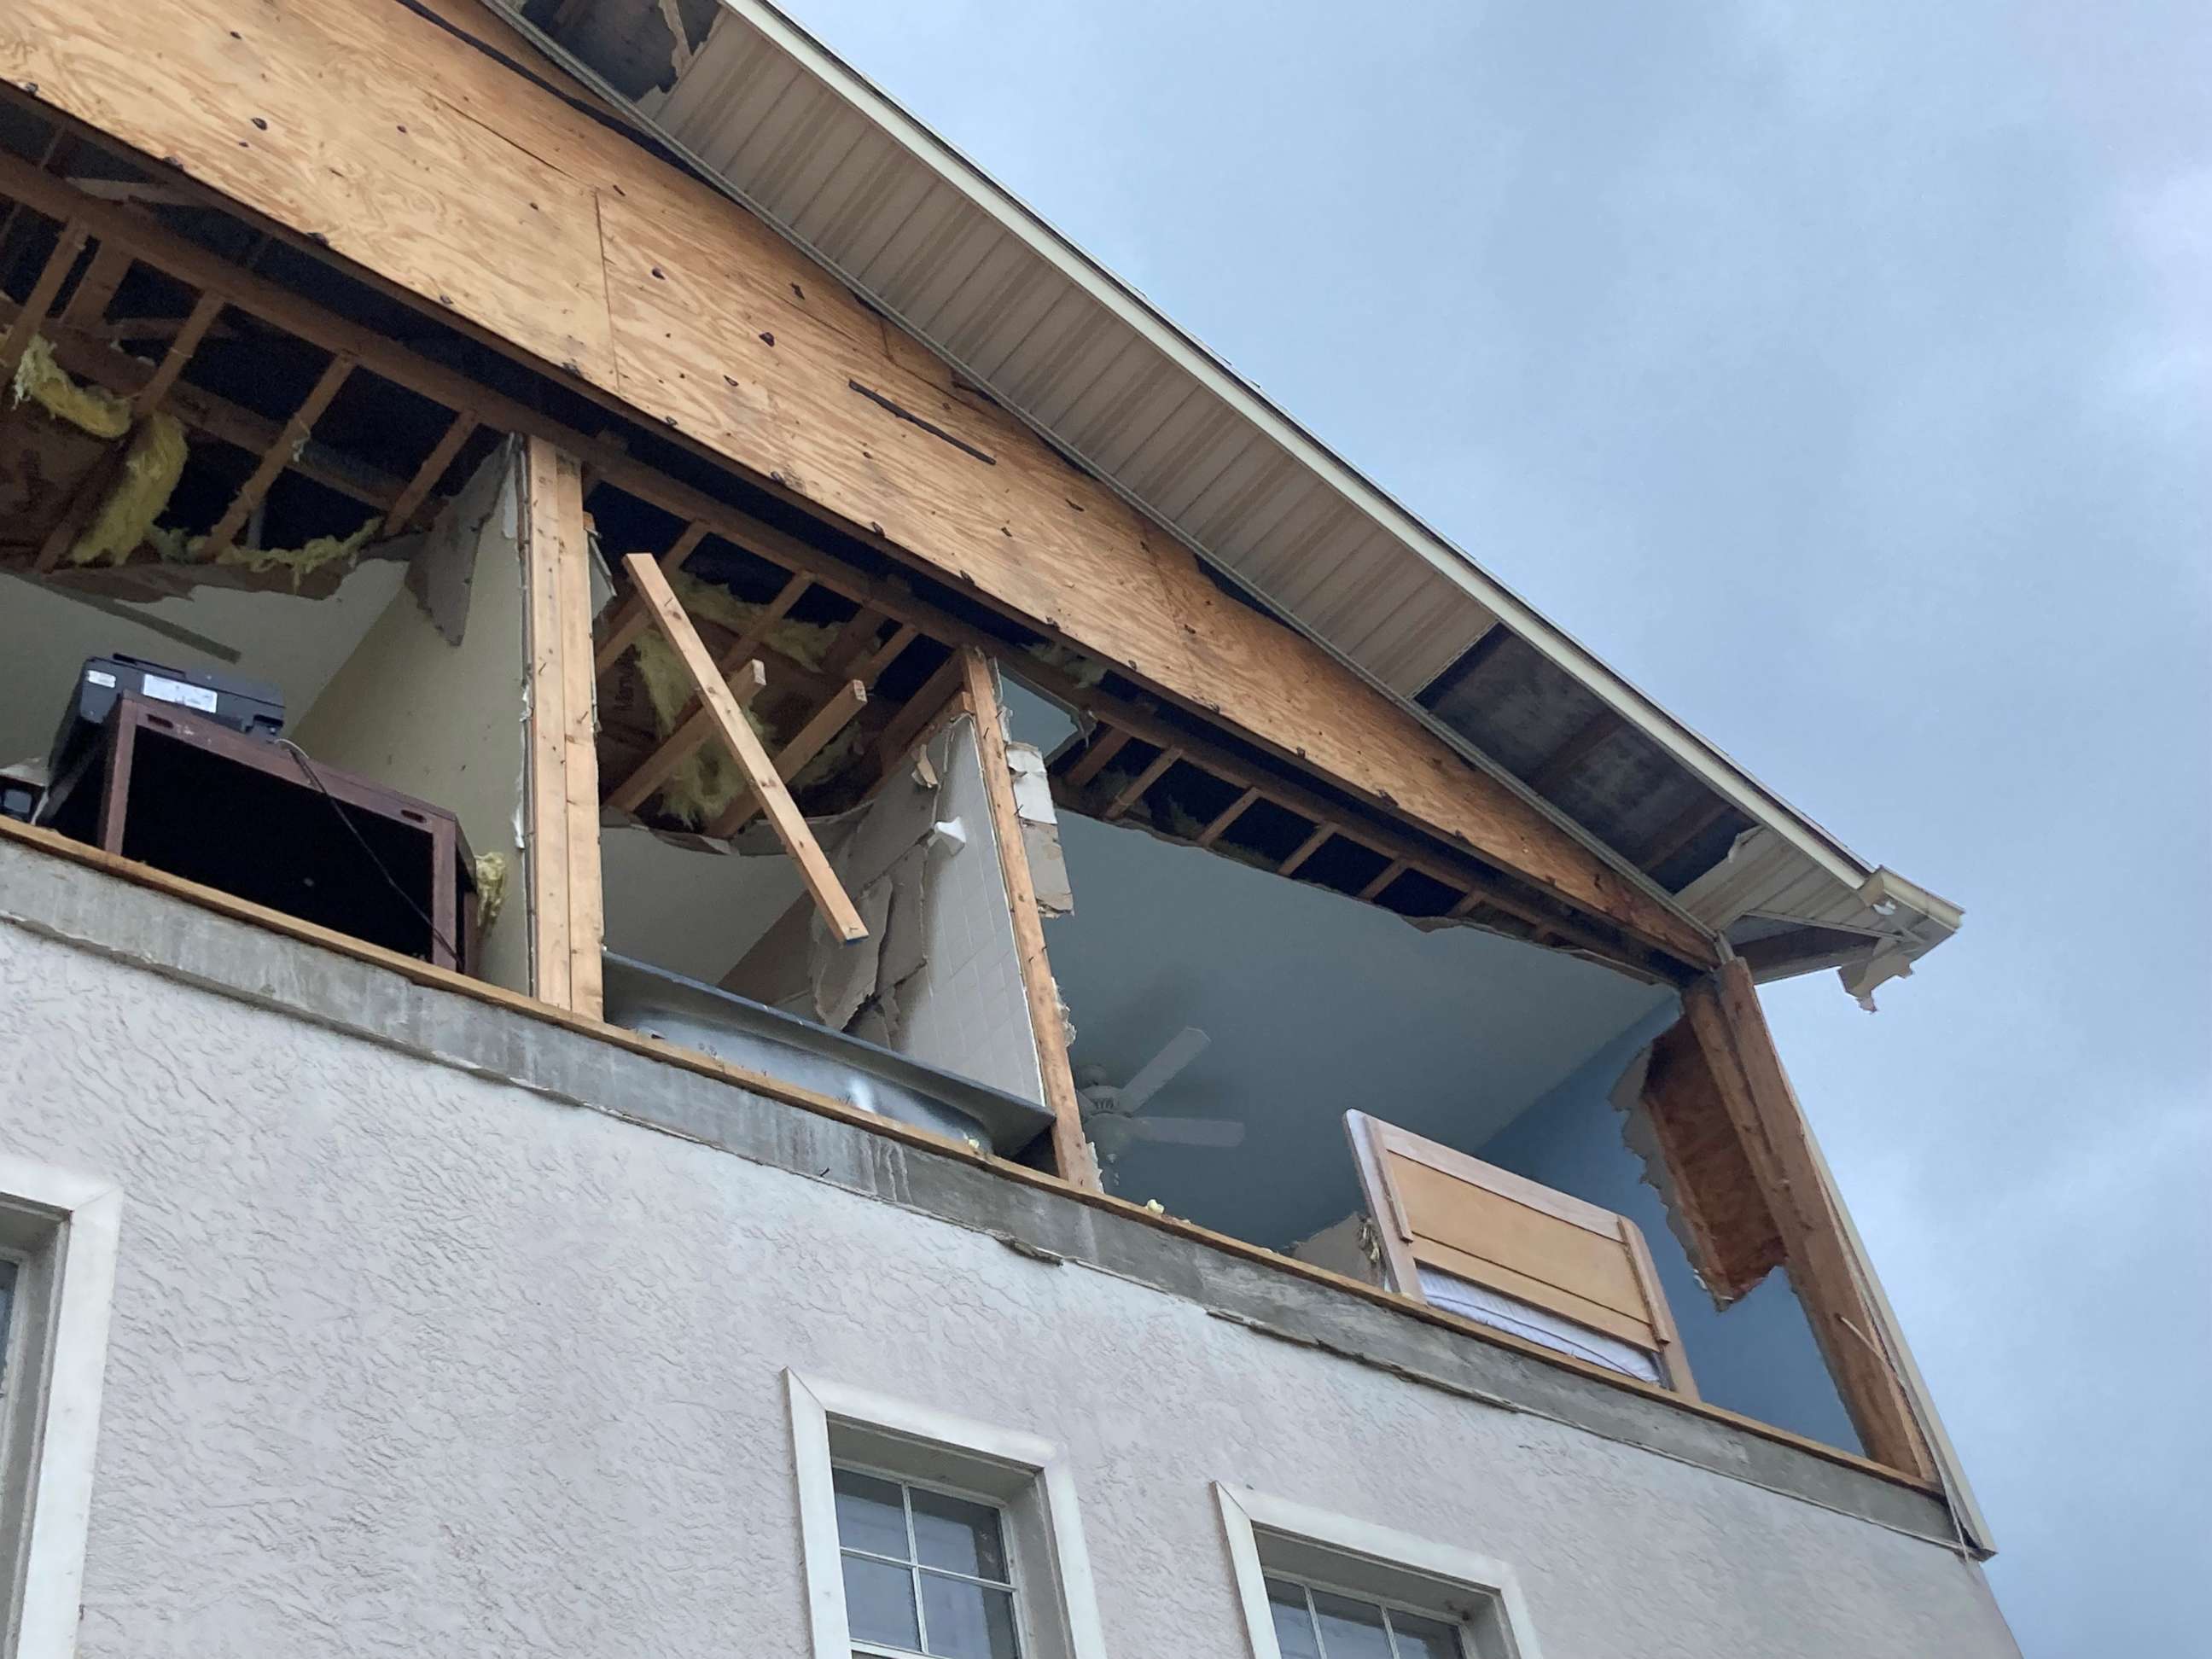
<point x="1086" y="671"/>
<point x="151" y="467"/>
<point x="492" y="870"/>
<point x="709" y="781"/>
<point x="45" y="383"/>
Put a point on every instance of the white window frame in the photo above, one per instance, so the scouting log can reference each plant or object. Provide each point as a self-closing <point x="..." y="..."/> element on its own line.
<point x="60" y="1230"/>
<point x="1376" y="1564"/>
<point x="1059" y="1605"/>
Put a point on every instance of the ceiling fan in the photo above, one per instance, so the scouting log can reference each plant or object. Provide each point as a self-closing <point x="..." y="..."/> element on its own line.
<point x="1114" y="1117"/>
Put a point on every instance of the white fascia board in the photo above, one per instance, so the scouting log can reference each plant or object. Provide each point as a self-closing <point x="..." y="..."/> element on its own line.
<point x="1703" y="760"/>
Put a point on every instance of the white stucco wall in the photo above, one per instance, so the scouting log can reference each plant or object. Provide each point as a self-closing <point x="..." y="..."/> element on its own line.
<point x="411" y="1361"/>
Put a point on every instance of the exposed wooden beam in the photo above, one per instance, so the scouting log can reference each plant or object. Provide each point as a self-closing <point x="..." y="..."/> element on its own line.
<point x="683" y="546"/>
<point x="1306" y="848"/>
<point x="111" y="260"/>
<point x="276" y="458"/>
<point x="827" y="721"/>
<point x="40" y="298"/>
<point x="1556" y="767"/>
<point x="418" y="488"/>
<point x="1227" y="815"/>
<point x="567" y="921"/>
<point x="923" y="707"/>
<point x="1134" y="791"/>
<point x="746" y="682"/>
<point x="852" y="640"/>
<point x="1071" y="1148"/>
<point x="1388" y="873"/>
<point x="190" y="333"/>
<point x="84" y="500"/>
<point x="1105" y="745"/>
<point x="830" y="895"/>
<point x="887" y="653"/>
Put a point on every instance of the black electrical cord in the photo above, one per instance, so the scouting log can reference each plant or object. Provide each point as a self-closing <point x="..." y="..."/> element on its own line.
<point x="314" y="777"/>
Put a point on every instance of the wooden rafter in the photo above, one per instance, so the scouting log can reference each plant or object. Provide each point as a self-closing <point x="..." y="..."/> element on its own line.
<point x="1134" y="791"/>
<point x="111" y="260"/>
<point x="418" y="489"/>
<point x="921" y="709"/>
<point x="1305" y="849"/>
<point x="1103" y="747"/>
<point x="1383" y="878"/>
<point x="40" y="298"/>
<point x="190" y="333"/>
<point x="297" y="428"/>
<point x="707" y="683"/>
<point x="1228" y="816"/>
<point x="826" y="722"/>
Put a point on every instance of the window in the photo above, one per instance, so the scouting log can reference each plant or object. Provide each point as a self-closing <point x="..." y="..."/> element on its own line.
<point x="57" y="1234"/>
<point x="925" y="1571"/>
<point x="928" y="1533"/>
<point x="1312" y="1623"/>
<point x="1316" y="1585"/>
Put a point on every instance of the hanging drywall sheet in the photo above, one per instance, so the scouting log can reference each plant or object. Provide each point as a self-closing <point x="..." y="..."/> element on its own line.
<point x="442" y="720"/>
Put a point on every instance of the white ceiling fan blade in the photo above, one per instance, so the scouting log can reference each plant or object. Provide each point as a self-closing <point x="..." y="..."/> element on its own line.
<point x="1188" y="1131"/>
<point x="1159" y="1071"/>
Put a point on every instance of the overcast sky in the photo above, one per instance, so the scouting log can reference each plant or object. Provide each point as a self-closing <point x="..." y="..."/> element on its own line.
<point x="1843" y="376"/>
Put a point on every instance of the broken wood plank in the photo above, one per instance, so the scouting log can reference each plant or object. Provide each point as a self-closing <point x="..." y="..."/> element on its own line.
<point x="1134" y="791"/>
<point x="40" y="298"/>
<point x="568" y="923"/>
<point x="1105" y="746"/>
<point x="833" y="717"/>
<point x="275" y="459"/>
<point x="418" y="488"/>
<point x="667" y="615"/>
<point x="1071" y="1148"/>
<point x="1228" y="816"/>
<point x="746" y="682"/>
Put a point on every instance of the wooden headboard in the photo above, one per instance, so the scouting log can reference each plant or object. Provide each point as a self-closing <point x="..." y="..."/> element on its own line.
<point x="1435" y="1207"/>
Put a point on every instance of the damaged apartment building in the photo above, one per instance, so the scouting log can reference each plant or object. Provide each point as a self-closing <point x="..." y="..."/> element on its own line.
<point x="737" y="920"/>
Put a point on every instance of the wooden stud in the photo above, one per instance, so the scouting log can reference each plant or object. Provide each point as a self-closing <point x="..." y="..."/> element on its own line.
<point x="1306" y="848"/>
<point x="833" y="717"/>
<point x="40" y="298"/>
<point x="667" y="614"/>
<point x="1134" y="791"/>
<point x="1071" y="1148"/>
<point x="1093" y="761"/>
<point x="567" y="920"/>
<point x="204" y="311"/>
<point x="111" y="261"/>
<point x="1236" y="810"/>
<point x="275" y="459"/>
<point x="418" y="488"/>
<point x="746" y="682"/>
<point x="1388" y="873"/>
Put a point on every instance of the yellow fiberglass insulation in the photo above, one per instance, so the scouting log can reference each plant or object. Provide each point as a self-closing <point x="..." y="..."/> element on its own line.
<point x="177" y="547"/>
<point x="703" y="787"/>
<point x="806" y="643"/>
<point x="151" y="467"/>
<point x="44" y="382"/>
<point x="491" y="874"/>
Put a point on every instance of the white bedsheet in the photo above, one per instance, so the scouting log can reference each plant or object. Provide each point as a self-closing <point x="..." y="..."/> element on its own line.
<point x="1506" y="1313"/>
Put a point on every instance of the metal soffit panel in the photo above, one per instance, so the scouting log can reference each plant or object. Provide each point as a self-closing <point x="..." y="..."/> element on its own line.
<point x="932" y="241"/>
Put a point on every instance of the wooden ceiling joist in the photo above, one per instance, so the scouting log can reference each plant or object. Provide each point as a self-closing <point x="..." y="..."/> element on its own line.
<point x="1134" y="791"/>
<point x="298" y="428"/>
<point x="418" y="488"/>
<point x="833" y="717"/>
<point x="1107" y="744"/>
<point x="1229" y="815"/>
<point x="190" y="333"/>
<point x="41" y="300"/>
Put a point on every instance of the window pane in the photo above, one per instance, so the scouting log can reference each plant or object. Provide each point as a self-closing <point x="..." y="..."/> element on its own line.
<point x="968" y="1621"/>
<point x="957" y="1536"/>
<point x="1294" y="1628"/>
<point x="1350" y="1629"/>
<point x="1424" y="1639"/>
<point x="880" y="1604"/>
<point x="870" y="1516"/>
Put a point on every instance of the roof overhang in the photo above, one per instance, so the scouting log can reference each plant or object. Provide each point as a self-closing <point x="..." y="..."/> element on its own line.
<point x="780" y="123"/>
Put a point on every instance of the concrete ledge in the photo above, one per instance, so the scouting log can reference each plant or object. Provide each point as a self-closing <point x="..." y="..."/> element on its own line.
<point x="155" y="932"/>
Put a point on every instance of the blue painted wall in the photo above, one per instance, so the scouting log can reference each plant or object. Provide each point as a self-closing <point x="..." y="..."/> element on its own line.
<point x="1759" y="1357"/>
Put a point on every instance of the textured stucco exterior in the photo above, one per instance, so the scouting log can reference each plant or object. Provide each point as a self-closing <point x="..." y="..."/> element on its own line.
<point x="410" y="1356"/>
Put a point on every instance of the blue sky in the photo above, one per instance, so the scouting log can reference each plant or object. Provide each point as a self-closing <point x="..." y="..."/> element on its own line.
<point x="1843" y="375"/>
